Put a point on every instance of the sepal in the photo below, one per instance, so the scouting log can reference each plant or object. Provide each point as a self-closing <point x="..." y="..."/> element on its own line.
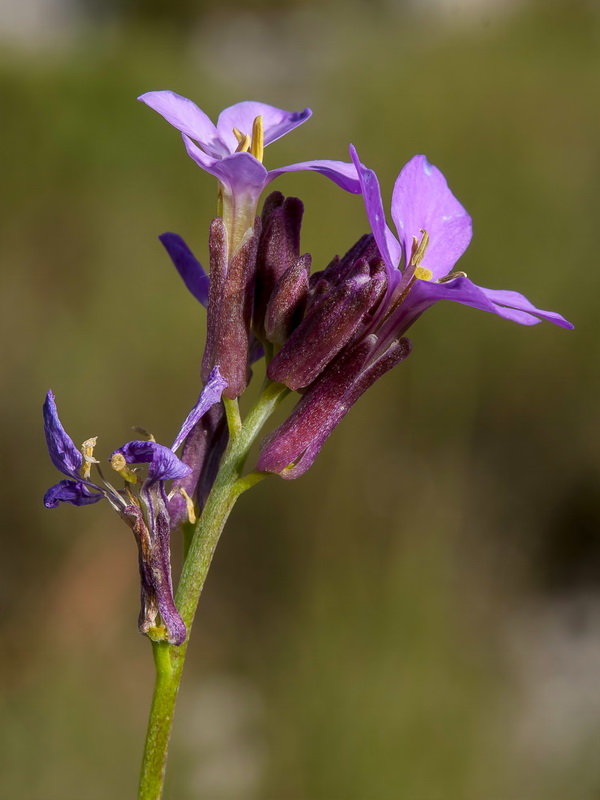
<point x="230" y="307"/>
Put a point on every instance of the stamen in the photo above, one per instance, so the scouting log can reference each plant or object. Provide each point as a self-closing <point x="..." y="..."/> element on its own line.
<point x="87" y="451"/>
<point x="133" y="501"/>
<point x="243" y="141"/>
<point x="143" y="432"/>
<point x="451" y="277"/>
<point x="119" y="464"/>
<point x="257" y="148"/>
<point x="189" y="503"/>
<point x="419" y="252"/>
<point x="239" y="135"/>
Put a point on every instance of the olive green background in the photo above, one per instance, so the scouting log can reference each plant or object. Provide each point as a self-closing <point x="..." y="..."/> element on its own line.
<point x="418" y="617"/>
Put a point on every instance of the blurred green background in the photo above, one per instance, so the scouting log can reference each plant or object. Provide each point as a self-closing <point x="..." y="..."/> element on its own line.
<point x="417" y="618"/>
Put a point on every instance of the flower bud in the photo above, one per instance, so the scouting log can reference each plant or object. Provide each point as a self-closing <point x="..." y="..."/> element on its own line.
<point x="329" y="326"/>
<point x="288" y="301"/>
<point x="293" y="447"/>
<point x="278" y="250"/>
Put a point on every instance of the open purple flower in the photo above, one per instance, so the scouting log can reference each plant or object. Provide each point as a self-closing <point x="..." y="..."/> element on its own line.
<point x="342" y="346"/>
<point x="232" y="151"/>
<point x="434" y="230"/>
<point x="143" y="503"/>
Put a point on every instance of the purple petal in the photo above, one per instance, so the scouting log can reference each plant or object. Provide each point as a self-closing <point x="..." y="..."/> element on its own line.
<point x="164" y="464"/>
<point x="421" y="200"/>
<point x="340" y="172"/>
<point x="423" y="294"/>
<point x="185" y="115"/>
<point x="386" y="241"/>
<point x="188" y="266"/>
<point x="515" y="300"/>
<point x="74" y="492"/>
<point x="63" y="453"/>
<point x="255" y="350"/>
<point x="276" y="121"/>
<point x="210" y="395"/>
<point x="240" y="172"/>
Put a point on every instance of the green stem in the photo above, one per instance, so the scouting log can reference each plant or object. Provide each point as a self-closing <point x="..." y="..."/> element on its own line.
<point x="169" y="660"/>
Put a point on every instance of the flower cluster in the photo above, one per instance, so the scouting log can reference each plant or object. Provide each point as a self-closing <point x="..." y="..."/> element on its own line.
<point x="328" y="335"/>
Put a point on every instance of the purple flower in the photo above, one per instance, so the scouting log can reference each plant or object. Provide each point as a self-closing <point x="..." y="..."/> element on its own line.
<point x="434" y="230"/>
<point x="232" y="151"/>
<point x="339" y="350"/>
<point x="143" y="503"/>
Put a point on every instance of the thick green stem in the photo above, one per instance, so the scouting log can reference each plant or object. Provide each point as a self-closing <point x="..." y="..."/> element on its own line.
<point x="169" y="660"/>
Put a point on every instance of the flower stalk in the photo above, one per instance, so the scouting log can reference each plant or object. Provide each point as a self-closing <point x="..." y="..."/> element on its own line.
<point x="168" y="659"/>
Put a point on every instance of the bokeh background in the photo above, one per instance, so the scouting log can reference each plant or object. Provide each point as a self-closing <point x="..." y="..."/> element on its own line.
<point x="417" y="618"/>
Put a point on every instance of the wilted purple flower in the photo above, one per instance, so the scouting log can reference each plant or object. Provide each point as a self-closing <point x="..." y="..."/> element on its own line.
<point x="143" y="502"/>
<point x="232" y="151"/>
<point x="339" y="350"/>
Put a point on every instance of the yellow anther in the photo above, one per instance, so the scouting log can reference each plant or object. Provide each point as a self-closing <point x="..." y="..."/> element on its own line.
<point x="257" y="148"/>
<point x="119" y="464"/>
<point x="143" y="432"/>
<point x="87" y="451"/>
<point x="189" y="503"/>
<point x="419" y="249"/>
<point x="423" y="273"/>
<point x="243" y="141"/>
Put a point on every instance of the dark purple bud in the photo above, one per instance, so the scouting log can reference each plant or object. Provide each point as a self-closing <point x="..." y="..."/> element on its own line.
<point x="155" y="575"/>
<point x="317" y="291"/>
<point x="230" y="307"/>
<point x="74" y="492"/>
<point x="364" y="249"/>
<point x="288" y="301"/>
<point x="187" y="265"/>
<point x="329" y="326"/>
<point x="293" y="447"/>
<point x="63" y="453"/>
<point x="278" y="250"/>
<point x="202" y="452"/>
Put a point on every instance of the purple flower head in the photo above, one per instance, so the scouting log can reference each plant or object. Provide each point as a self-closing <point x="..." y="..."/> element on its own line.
<point x="233" y="149"/>
<point x="342" y="346"/>
<point x="142" y="503"/>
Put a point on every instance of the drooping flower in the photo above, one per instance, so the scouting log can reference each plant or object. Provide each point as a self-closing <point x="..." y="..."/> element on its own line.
<point x="142" y="503"/>
<point x="341" y="348"/>
<point x="233" y="149"/>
